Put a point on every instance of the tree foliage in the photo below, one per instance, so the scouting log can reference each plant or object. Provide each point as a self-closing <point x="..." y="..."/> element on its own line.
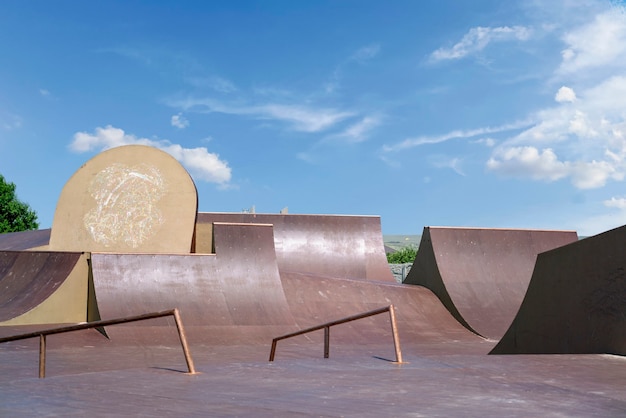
<point x="404" y="255"/>
<point x="14" y="215"/>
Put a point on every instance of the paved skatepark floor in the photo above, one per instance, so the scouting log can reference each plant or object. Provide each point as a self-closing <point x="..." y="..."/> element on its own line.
<point x="356" y="381"/>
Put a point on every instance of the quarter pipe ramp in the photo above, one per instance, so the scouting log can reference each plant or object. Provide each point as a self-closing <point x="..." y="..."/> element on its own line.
<point x="481" y="275"/>
<point x="576" y="301"/>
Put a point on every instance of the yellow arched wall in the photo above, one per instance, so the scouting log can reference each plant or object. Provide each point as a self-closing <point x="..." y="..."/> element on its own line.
<point x="133" y="198"/>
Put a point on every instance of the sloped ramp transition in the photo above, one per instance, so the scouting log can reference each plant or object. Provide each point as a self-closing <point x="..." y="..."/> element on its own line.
<point x="481" y="275"/>
<point x="230" y="297"/>
<point x="421" y="317"/>
<point x="576" y="301"/>
<point x="43" y="287"/>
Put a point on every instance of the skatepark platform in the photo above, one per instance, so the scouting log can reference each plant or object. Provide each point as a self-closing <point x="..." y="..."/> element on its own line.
<point x="128" y="241"/>
<point x="231" y="316"/>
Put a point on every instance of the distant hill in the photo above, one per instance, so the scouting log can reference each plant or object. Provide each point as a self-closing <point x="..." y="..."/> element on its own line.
<point x="398" y="242"/>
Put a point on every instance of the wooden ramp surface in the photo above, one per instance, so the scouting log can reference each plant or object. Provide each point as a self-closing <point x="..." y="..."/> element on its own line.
<point x="576" y="300"/>
<point x="481" y="275"/>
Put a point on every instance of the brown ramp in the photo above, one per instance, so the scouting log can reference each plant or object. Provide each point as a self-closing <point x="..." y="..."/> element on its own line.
<point x="576" y="301"/>
<point x="40" y="287"/>
<point x="481" y="275"/>
<point x="421" y="317"/>
<point x="333" y="245"/>
<point x="25" y="240"/>
<point x="236" y="296"/>
<point x="230" y="297"/>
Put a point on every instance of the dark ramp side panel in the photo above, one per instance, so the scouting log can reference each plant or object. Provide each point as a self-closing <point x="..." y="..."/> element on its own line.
<point x="576" y="301"/>
<point x="481" y="275"/>
<point x="28" y="278"/>
<point x="333" y="245"/>
<point x="25" y="240"/>
<point x="234" y="296"/>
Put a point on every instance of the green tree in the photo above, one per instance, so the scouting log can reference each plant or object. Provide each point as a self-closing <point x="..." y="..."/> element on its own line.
<point x="404" y="255"/>
<point x="14" y="215"/>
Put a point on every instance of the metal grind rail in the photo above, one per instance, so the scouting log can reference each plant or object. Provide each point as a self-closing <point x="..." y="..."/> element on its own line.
<point x="326" y="326"/>
<point x="95" y="324"/>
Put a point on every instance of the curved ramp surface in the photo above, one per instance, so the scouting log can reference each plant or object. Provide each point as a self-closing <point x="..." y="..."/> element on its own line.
<point x="237" y="296"/>
<point x="333" y="245"/>
<point x="232" y="296"/>
<point x="42" y="287"/>
<point x="576" y="301"/>
<point x="421" y="317"/>
<point x="25" y="240"/>
<point x="481" y="275"/>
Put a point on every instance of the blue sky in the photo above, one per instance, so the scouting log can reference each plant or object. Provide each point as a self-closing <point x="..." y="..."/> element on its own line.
<point x="453" y="113"/>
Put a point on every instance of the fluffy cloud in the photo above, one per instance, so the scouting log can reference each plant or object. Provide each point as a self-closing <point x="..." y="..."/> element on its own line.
<point x="521" y="161"/>
<point x="565" y="94"/>
<point x="582" y="137"/>
<point x="200" y="163"/>
<point x="600" y="43"/>
<point x="614" y="202"/>
<point x="584" y="140"/>
<point x="179" y="121"/>
<point x="545" y="165"/>
<point x="478" y="38"/>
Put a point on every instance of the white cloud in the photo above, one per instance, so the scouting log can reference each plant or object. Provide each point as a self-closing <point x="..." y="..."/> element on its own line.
<point x="565" y="95"/>
<point x="179" y="121"/>
<point x="44" y="92"/>
<point x="359" y="131"/>
<point x="200" y="163"/>
<point x="614" y="202"/>
<point x="300" y="118"/>
<point x="529" y="162"/>
<point x="478" y="38"/>
<point x="457" y="134"/>
<point x="584" y="140"/>
<point x="523" y="161"/>
<point x="600" y="43"/>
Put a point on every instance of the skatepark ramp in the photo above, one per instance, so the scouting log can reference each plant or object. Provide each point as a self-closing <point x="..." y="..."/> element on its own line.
<point x="481" y="275"/>
<point x="239" y="296"/>
<point x="332" y="245"/>
<point x="230" y="297"/>
<point x="25" y="240"/>
<point x="43" y="287"/>
<point x="576" y="301"/>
